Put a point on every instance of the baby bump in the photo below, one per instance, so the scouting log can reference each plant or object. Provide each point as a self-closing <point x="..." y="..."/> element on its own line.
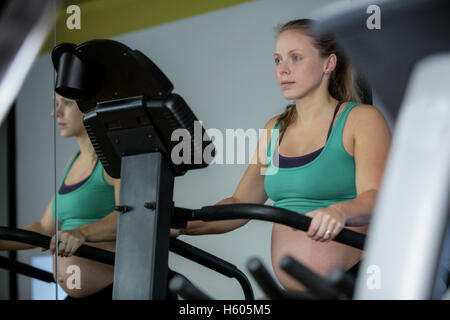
<point x="320" y="257"/>
<point x="81" y="277"/>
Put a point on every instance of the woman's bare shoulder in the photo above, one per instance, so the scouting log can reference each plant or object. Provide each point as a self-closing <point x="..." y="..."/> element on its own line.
<point x="365" y="112"/>
<point x="272" y="122"/>
<point x="365" y="117"/>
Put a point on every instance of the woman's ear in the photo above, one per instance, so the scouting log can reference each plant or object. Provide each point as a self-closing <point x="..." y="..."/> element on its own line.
<point x="330" y="64"/>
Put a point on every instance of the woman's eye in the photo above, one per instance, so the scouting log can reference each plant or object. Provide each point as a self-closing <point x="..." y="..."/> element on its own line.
<point x="297" y="58"/>
<point x="277" y="61"/>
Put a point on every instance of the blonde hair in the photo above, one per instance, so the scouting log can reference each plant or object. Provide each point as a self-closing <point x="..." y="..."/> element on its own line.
<point x="341" y="85"/>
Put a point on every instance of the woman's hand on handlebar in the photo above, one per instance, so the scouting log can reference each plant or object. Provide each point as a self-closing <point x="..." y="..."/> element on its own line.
<point x="174" y="233"/>
<point x="69" y="241"/>
<point x="326" y="224"/>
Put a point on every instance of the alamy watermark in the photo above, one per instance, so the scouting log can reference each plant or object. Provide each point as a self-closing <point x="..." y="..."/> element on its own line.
<point x="74" y="280"/>
<point x="373" y="281"/>
<point x="74" y="20"/>
<point x="374" y="20"/>
<point x="236" y="146"/>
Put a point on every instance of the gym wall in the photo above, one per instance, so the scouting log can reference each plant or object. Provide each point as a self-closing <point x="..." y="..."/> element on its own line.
<point x="220" y="61"/>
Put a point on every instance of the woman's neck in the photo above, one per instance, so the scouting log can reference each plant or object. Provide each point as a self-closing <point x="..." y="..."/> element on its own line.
<point x="87" y="150"/>
<point x="314" y="107"/>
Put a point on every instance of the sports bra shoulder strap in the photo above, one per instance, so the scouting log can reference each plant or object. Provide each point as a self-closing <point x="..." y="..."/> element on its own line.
<point x="69" y="166"/>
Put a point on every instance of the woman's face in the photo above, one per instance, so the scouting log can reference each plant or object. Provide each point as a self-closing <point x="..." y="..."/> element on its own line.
<point x="70" y="118"/>
<point x="298" y="66"/>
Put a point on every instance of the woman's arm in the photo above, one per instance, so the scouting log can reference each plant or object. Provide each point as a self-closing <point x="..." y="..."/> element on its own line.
<point x="358" y="212"/>
<point x="250" y="190"/>
<point x="372" y="140"/>
<point x="45" y="226"/>
<point x="106" y="228"/>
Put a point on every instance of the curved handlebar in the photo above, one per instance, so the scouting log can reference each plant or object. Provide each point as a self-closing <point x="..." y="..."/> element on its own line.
<point x="214" y="263"/>
<point x="40" y="240"/>
<point x="25" y="269"/>
<point x="267" y="213"/>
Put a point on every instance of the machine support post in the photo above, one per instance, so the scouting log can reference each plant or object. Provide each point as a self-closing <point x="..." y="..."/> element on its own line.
<point x="141" y="262"/>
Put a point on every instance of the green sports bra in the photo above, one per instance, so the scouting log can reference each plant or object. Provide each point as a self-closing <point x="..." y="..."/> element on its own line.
<point x="90" y="202"/>
<point x="326" y="180"/>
